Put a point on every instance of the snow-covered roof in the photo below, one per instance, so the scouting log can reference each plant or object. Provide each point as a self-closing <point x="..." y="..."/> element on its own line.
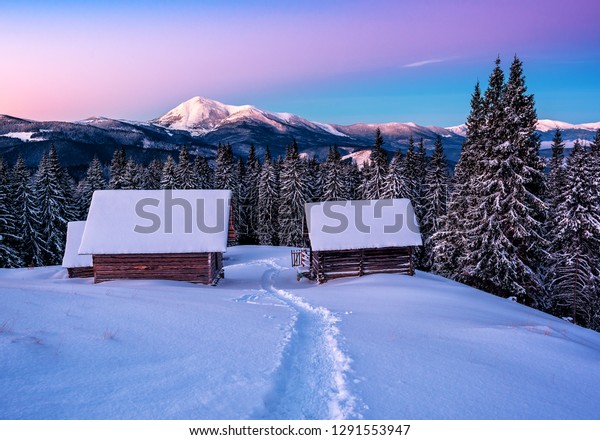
<point x="71" y="257"/>
<point x="362" y="224"/>
<point x="157" y="221"/>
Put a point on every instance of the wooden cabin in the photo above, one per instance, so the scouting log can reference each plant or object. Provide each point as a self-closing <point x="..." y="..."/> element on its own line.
<point x="78" y="266"/>
<point x="158" y="234"/>
<point x="359" y="237"/>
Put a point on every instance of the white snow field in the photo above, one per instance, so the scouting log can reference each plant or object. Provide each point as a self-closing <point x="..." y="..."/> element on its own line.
<point x="262" y="345"/>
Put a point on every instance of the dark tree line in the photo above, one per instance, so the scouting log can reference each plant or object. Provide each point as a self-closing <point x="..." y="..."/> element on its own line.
<point x="506" y="222"/>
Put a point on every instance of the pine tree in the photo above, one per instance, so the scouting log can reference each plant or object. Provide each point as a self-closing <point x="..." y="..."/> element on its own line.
<point x="56" y="206"/>
<point x="93" y="181"/>
<point x="10" y="233"/>
<point x="268" y="202"/>
<point x="132" y="176"/>
<point x="168" y="179"/>
<point x="378" y="170"/>
<point x="31" y="248"/>
<point x="152" y="175"/>
<point x="204" y="173"/>
<point x="185" y="173"/>
<point x="574" y="280"/>
<point x="434" y="202"/>
<point x="117" y="170"/>
<point x="294" y="193"/>
<point x="335" y="177"/>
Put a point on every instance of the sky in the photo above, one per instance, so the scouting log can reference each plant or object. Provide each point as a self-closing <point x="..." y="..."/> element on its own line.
<point x="331" y="61"/>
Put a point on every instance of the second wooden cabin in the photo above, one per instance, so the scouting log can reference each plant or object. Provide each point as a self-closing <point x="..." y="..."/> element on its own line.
<point x="158" y="234"/>
<point x="360" y="237"/>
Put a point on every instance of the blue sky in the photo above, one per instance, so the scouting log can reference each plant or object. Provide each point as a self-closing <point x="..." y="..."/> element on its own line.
<point x="331" y="61"/>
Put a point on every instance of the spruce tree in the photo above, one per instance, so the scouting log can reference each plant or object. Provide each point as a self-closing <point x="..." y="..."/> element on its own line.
<point x="185" y="173"/>
<point x="451" y="241"/>
<point x="396" y="186"/>
<point x="434" y="202"/>
<point x="506" y="253"/>
<point x="268" y="202"/>
<point x="225" y="177"/>
<point x="574" y="273"/>
<point x="168" y="179"/>
<point x="132" y="176"/>
<point x="335" y="177"/>
<point x="93" y="181"/>
<point x="31" y="248"/>
<point x="117" y="170"/>
<point x="294" y="193"/>
<point x="152" y="175"/>
<point x="203" y="172"/>
<point x="378" y="170"/>
<point x="56" y="206"/>
<point x="10" y="232"/>
<point x="249" y="197"/>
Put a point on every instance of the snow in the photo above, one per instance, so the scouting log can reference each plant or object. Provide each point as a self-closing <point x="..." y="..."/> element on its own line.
<point x="550" y="125"/>
<point x="362" y="224"/>
<point x="156" y="221"/>
<point x="25" y="136"/>
<point x="460" y="130"/>
<point x="359" y="157"/>
<point x="261" y="345"/>
<point x="71" y="257"/>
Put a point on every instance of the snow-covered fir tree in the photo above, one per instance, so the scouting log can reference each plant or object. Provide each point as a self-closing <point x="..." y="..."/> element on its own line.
<point x="132" y="176"/>
<point x="31" y="248"/>
<point x="204" y="173"/>
<point x="152" y="175"/>
<point x="452" y="239"/>
<point x="185" y="173"/>
<point x="93" y="181"/>
<point x="117" y="170"/>
<point x="10" y="233"/>
<point x="315" y="183"/>
<point x="225" y="173"/>
<point x="396" y="186"/>
<point x="56" y="206"/>
<point x="249" y="189"/>
<point x="378" y="170"/>
<point x="335" y="177"/>
<point x="268" y="202"/>
<point x="434" y="202"/>
<point x="354" y="178"/>
<point x="574" y="272"/>
<point x="294" y="193"/>
<point x="505" y="256"/>
<point x="168" y="179"/>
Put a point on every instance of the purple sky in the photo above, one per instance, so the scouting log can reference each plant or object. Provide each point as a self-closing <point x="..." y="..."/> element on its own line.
<point x="332" y="61"/>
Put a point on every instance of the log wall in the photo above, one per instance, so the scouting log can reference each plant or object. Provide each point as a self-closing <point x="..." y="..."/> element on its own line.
<point x="201" y="268"/>
<point x="358" y="262"/>
<point x="80" y="272"/>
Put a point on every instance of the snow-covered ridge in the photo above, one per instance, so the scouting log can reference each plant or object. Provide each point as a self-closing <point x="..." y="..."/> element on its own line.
<point x="550" y="125"/>
<point x="24" y="136"/>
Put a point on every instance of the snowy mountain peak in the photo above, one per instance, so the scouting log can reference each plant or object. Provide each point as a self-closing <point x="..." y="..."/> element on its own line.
<point x="200" y="115"/>
<point x="550" y="125"/>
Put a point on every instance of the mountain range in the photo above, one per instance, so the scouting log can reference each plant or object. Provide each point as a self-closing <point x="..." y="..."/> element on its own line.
<point x="202" y="123"/>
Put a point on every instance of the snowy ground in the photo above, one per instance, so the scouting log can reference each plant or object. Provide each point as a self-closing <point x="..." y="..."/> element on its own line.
<point x="261" y="345"/>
